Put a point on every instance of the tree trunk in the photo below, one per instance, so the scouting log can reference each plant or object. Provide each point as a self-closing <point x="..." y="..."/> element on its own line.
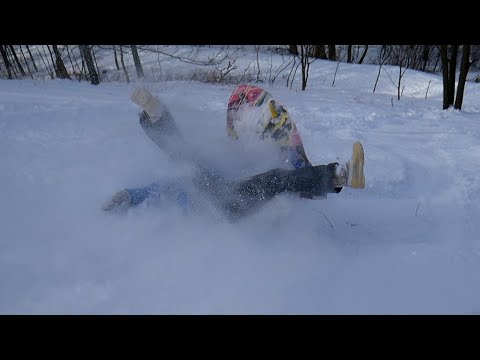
<point x="425" y="56"/>
<point x="60" y="69"/>
<point x="123" y="64"/>
<point x="53" y="61"/>
<point x="319" y="52"/>
<point x="136" y="60"/>
<point x="363" y="55"/>
<point x="11" y="61"/>
<point x="462" y="78"/>
<point x="115" y="56"/>
<point x="26" y="62"/>
<point x="349" y="54"/>
<point x="399" y="81"/>
<point x="303" y="55"/>
<point x="444" y="58"/>
<point x="95" y="61"/>
<point x="436" y="63"/>
<point x="304" y="62"/>
<point x="452" y="68"/>
<point x="85" y="49"/>
<point x="83" y="71"/>
<point x="6" y="62"/>
<point x="19" y="65"/>
<point x="47" y="64"/>
<point x="31" y="57"/>
<point x="79" y="69"/>
<point x="70" y="59"/>
<point x="332" y="53"/>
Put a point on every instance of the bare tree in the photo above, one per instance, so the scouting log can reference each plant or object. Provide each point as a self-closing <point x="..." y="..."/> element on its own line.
<point x="26" y="62"/>
<point x="86" y="52"/>
<point x="335" y="75"/>
<point x="293" y="49"/>
<point x="31" y="57"/>
<point x="475" y="55"/>
<point x="280" y="68"/>
<point x="83" y="71"/>
<point x="60" y="70"/>
<point x="223" y="72"/>
<point x="6" y="61"/>
<point x="444" y="57"/>
<point x="464" y="67"/>
<point x="332" y="53"/>
<point x="382" y="58"/>
<point x="319" y="52"/>
<point x="452" y="69"/>
<point x="436" y="62"/>
<point x="305" y="61"/>
<point x="293" y="71"/>
<point x="363" y="55"/>
<point x="257" y="50"/>
<point x="95" y="60"/>
<point x="428" y="87"/>
<point x="425" y="56"/>
<point x="449" y="67"/>
<point x="46" y="64"/>
<point x="123" y="64"/>
<point x="71" y="61"/>
<point x="349" y="54"/>
<point x="136" y="60"/>
<point x="11" y="61"/>
<point x="19" y="65"/>
<point x="401" y="55"/>
<point x="115" y="56"/>
<point x="51" y="57"/>
<point x="193" y="56"/>
<point x="405" y="57"/>
<point x="78" y="71"/>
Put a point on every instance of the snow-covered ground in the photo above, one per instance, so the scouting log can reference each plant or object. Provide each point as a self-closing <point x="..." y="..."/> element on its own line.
<point x="408" y="243"/>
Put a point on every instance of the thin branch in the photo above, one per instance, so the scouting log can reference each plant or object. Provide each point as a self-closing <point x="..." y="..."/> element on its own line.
<point x="291" y="70"/>
<point x="294" y="73"/>
<point x="123" y="64"/>
<point x="191" y="58"/>
<point x="26" y="62"/>
<point x="258" y="62"/>
<point x="416" y="210"/>
<point x="31" y="57"/>
<point x="280" y="69"/>
<point x="335" y="75"/>
<point x="43" y="60"/>
<point x="393" y="82"/>
<point x="326" y="218"/>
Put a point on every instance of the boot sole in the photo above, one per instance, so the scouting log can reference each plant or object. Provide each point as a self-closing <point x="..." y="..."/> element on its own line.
<point x="358" y="160"/>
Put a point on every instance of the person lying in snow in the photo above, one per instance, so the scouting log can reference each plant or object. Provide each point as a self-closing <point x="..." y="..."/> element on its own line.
<point x="240" y="197"/>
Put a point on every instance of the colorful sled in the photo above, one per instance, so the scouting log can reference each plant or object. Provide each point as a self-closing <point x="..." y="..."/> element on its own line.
<point x="256" y="108"/>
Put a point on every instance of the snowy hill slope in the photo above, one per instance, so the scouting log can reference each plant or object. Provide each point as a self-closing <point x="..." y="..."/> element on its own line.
<point x="408" y="243"/>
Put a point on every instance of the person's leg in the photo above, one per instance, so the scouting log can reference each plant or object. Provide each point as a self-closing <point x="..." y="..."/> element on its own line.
<point x="244" y="196"/>
<point x="351" y="173"/>
<point x="158" y="123"/>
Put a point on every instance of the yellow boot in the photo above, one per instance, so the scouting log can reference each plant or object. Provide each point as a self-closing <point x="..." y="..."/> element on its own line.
<point x="351" y="173"/>
<point x="355" y="177"/>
